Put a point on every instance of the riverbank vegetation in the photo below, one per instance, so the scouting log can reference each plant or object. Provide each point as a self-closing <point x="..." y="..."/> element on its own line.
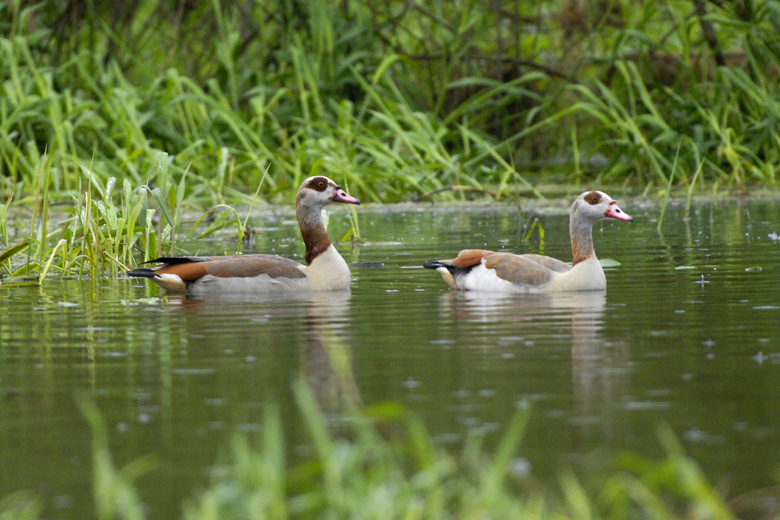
<point x="114" y="117"/>
<point x="395" y="98"/>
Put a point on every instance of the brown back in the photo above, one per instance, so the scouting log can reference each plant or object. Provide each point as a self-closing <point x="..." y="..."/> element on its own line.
<point x="235" y="267"/>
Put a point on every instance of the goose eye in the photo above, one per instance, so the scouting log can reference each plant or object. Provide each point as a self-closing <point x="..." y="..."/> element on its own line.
<point x="321" y="185"/>
<point x="592" y="198"/>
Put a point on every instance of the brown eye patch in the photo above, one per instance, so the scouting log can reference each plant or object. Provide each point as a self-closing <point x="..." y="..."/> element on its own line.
<point x="593" y="198"/>
<point x="318" y="184"/>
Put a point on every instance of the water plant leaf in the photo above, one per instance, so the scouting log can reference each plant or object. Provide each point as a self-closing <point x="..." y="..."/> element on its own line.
<point x="45" y="271"/>
<point x="14" y="250"/>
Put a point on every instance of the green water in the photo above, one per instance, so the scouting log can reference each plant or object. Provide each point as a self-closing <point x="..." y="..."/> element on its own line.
<point x="688" y="335"/>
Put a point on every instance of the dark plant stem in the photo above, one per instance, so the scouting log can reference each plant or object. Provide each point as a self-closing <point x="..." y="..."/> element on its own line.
<point x="709" y="32"/>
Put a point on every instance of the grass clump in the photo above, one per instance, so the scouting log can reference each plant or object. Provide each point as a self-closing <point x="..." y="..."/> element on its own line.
<point x="106" y="226"/>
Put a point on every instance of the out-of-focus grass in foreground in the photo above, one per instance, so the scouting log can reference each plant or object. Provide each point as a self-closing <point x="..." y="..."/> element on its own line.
<point x="384" y="464"/>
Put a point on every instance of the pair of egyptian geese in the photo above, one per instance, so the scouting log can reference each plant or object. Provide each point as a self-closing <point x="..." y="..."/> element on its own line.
<point x="326" y="270"/>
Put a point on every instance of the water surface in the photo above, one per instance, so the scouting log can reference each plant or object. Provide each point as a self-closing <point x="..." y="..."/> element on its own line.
<point x="687" y="335"/>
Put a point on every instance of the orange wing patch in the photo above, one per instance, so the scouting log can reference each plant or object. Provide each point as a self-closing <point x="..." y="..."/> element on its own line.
<point x="470" y="257"/>
<point x="187" y="272"/>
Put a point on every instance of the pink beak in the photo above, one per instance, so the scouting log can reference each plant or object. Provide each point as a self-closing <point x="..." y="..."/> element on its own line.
<point x="613" y="211"/>
<point x="340" y="195"/>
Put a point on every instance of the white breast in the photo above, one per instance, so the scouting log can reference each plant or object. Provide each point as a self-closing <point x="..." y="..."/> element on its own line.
<point x="328" y="271"/>
<point x="585" y="276"/>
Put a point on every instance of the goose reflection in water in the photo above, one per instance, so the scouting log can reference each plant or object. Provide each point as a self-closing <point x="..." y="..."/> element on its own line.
<point x="326" y="357"/>
<point x="548" y="320"/>
<point x="317" y="322"/>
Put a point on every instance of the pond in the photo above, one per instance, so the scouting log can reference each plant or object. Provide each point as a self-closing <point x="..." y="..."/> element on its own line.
<point x="687" y="335"/>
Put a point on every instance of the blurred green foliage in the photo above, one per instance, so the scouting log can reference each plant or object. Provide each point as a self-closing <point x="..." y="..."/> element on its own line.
<point x="399" y="98"/>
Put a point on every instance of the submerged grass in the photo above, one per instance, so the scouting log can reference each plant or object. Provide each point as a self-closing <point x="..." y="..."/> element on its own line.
<point x="384" y="464"/>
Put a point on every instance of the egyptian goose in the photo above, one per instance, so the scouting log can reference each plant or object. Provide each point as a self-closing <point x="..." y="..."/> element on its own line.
<point x="326" y="270"/>
<point x="481" y="270"/>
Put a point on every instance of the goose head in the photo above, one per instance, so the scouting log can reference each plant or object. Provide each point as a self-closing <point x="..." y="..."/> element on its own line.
<point x="317" y="192"/>
<point x="591" y="206"/>
<point x="314" y="194"/>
